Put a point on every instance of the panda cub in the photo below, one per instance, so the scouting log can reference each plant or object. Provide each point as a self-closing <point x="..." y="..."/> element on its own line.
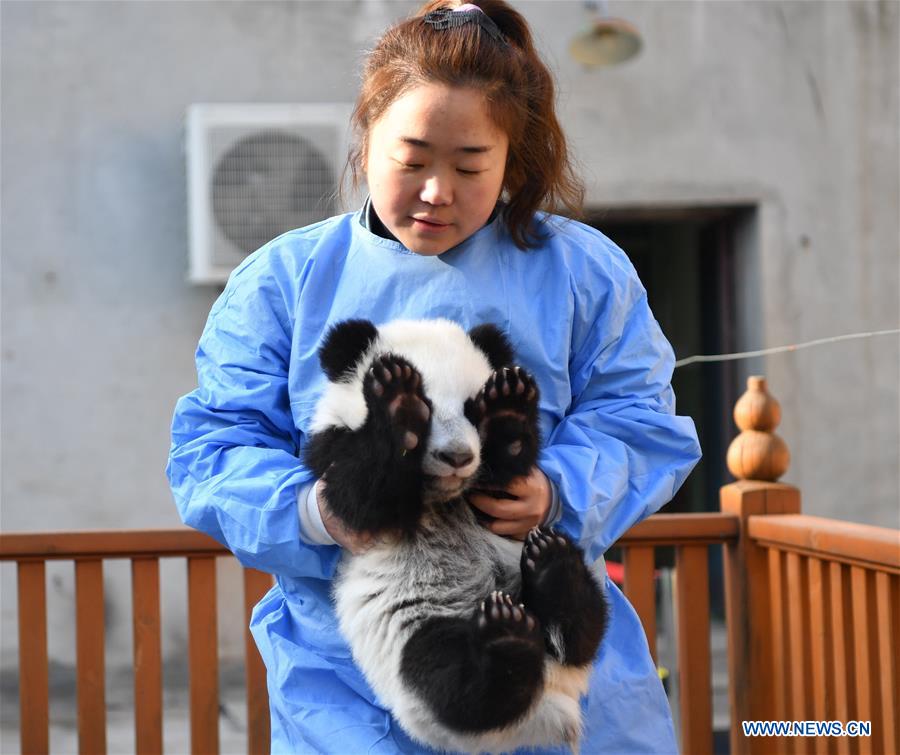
<point x="475" y="642"/>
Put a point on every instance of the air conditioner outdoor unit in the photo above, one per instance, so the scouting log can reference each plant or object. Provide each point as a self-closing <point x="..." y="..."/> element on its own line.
<point x="256" y="171"/>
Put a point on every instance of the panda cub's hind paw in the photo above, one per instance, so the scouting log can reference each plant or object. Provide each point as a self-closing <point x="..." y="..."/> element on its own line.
<point x="393" y="387"/>
<point x="555" y="579"/>
<point x="499" y="618"/>
<point x="560" y="589"/>
<point x="546" y="553"/>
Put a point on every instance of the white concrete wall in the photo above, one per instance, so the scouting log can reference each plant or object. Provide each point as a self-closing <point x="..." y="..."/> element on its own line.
<point x="792" y="106"/>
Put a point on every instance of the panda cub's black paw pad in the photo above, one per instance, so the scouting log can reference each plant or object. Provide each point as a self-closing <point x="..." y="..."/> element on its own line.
<point x="546" y="552"/>
<point x="395" y="386"/>
<point x="499" y="618"/>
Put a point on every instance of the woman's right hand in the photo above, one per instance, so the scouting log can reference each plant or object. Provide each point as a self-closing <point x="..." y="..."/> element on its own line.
<point x="355" y="542"/>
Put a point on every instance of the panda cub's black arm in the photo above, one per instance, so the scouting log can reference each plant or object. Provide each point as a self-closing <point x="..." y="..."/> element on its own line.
<point x="367" y="487"/>
<point x="373" y="474"/>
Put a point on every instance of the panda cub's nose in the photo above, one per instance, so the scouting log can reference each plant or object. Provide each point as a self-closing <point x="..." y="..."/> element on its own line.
<point x="455" y="459"/>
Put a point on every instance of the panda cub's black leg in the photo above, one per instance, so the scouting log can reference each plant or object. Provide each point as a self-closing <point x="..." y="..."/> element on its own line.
<point x="477" y="674"/>
<point x="505" y="412"/>
<point x="373" y="475"/>
<point x="558" y="587"/>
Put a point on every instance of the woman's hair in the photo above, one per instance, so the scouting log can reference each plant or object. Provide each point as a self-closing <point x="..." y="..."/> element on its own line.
<point x="517" y="87"/>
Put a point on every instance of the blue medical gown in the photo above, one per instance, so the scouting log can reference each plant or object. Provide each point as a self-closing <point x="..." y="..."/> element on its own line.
<point x="577" y="318"/>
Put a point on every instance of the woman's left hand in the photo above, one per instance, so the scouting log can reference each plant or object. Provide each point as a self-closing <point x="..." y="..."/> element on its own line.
<point x="522" y="506"/>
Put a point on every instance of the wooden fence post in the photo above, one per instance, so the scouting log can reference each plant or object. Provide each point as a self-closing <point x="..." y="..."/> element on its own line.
<point x="757" y="458"/>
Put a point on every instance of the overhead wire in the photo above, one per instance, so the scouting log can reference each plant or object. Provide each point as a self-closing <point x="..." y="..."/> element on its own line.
<point x="780" y="349"/>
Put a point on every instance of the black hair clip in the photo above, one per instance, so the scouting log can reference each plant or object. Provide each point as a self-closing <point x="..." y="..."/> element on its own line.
<point x="451" y="19"/>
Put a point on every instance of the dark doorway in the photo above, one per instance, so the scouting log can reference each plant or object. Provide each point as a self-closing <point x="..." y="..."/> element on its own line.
<point x="685" y="259"/>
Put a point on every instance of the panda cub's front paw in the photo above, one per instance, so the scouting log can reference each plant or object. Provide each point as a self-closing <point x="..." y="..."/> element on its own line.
<point x="505" y="413"/>
<point x="508" y="391"/>
<point x="393" y="389"/>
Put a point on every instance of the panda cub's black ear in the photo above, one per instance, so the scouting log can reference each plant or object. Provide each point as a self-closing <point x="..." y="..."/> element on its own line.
<point x="344" y="344"/>
<point x="494" y="343"/>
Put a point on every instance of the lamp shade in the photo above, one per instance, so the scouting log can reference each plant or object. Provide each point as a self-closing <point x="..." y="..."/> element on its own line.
<point x="607" y="42"/>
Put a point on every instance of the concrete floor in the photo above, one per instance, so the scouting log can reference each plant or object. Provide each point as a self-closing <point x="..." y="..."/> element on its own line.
<point x="120" y="725"/>
<point x="120" y="712"/>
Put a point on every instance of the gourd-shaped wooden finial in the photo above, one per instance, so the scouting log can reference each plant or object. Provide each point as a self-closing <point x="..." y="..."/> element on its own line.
<point x="757" y="453"/>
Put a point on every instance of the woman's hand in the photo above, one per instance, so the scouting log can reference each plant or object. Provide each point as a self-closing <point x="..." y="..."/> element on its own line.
<point x="355" y="542"/>
<point x="523" y="505"/>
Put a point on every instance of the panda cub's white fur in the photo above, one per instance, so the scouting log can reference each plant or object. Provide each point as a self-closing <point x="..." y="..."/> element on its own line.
<point x="433" y="611"/>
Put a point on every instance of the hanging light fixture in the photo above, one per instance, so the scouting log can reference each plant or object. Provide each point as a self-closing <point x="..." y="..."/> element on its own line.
<point x="607" y="42"/>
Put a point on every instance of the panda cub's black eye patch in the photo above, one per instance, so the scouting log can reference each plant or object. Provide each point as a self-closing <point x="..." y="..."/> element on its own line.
<point x="473" y="410"/>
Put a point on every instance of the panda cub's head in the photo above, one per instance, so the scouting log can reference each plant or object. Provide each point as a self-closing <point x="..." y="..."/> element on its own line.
<point x="454" y="366"/>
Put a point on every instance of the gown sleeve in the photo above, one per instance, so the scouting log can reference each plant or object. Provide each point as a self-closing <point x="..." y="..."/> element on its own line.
<point x="620" y="453"/>
<point x="234" y="465"/>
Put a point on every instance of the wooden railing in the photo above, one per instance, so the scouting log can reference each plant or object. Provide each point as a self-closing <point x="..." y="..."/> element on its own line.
<point x="812" y="615"/>
<point x="812" y="605"/>
<point x="691" y="535"/>
<point x="144" y="549"/>
<point x="834" y="592"/>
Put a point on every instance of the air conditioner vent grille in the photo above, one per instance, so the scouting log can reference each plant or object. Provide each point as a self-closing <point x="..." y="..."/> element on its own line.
<point x="269" y="183"/>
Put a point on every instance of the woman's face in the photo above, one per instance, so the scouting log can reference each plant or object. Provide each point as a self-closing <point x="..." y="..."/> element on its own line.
<point x="435" y="166"/>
